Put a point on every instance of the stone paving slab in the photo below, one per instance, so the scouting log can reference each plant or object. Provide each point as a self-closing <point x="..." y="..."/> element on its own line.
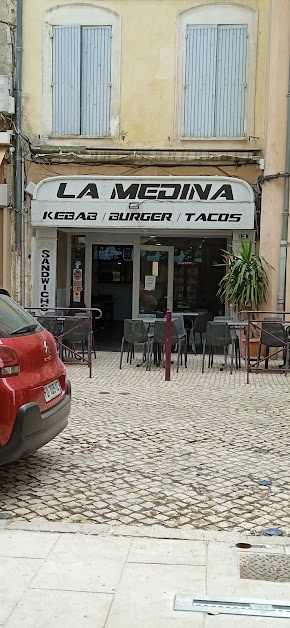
<point x="141" y="452"/>
<point x="56" y="609"/>
<point x="143" y="591"/>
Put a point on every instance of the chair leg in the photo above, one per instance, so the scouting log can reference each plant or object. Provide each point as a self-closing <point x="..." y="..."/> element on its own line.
<point x="192" y="340"/>
<point x="259" y="353"/>
<point x="94" y="345"/>
<point x="226" y="357"/>
<point x="267" y="358"/>
<point x="178" y="356"/>
<point x="232" y="358"/>
<point x="203" y="355"/>
<point x="287" y="359"/>
<point x="122" y="349"/>
<point x="146" y="353"/>
<point x="131" y="352"/>
<point x="152" y="353"/>
<point x="209" y="354"/>
<point x="236" y="355"/>
<point x="128" y="351"/>
<point x="185" y="353"/>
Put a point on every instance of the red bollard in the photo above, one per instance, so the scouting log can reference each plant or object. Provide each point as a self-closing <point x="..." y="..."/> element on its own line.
<point x="168" y="326"/>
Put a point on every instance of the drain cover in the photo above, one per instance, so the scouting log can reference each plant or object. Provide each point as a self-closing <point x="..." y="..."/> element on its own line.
<point x="270" y="567"/>
<point x="257" y="608"/>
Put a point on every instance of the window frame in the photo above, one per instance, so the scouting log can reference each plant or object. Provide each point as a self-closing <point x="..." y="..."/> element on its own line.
<point x="80" y="15"/>
<point x="214" y="15"/>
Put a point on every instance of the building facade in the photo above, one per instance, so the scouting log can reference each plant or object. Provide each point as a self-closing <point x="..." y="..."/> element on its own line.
<point x="274" y="184"/>
<point x="7" y="209"/>
<point x="146" y="127"/>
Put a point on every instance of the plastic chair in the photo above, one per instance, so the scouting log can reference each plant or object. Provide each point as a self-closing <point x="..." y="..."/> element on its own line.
<point x="82" y="314"/>
<point x="178" y="338"/>
<point x="76" y="332"/>
<point x="135" y="334"/>
<point x="274" y="335"/>
<point x="51" y="324"/>
<point x="234" y="335"/>
<point x="199" y="327"/>
<point x="217" y="336"/>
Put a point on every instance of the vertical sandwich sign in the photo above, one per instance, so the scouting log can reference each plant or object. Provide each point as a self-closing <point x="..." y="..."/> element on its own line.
<point x="45" y="272"/>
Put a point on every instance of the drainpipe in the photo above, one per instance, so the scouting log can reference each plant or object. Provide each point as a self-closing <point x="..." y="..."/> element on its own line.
<point x="284" y="239"/>
<point x="18" y="155"/>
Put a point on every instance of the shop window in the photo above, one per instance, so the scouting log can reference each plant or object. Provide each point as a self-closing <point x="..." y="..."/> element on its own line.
<point x="112" y="264"/>
<point x="198" y="269"/>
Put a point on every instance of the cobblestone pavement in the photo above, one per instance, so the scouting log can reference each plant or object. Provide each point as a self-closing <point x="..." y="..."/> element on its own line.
<point x="189" y="453"/>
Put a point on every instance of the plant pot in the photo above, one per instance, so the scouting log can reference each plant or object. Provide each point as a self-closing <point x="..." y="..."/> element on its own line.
<point x="254" y="348"/>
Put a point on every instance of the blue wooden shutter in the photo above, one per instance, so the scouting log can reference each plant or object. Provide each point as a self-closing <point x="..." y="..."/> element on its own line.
<point x="200" y="79"/>
<point x="96" y="80"/>
<point x="66" y="77"/>
<point x="230" y="81"/>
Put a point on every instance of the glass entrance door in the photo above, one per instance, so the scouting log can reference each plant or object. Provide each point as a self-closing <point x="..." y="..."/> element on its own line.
<point x="156" y="279"/>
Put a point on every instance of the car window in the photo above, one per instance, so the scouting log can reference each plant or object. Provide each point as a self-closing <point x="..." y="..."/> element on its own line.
<point x="13" y="316"/>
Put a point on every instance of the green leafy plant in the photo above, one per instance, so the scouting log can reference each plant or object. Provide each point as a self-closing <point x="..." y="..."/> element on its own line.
<point x="246" y="281"/>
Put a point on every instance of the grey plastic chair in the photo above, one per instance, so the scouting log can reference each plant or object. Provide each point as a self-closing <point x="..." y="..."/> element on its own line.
<point x="178" y="321"/>
<point x="135" y="333"/>
<point x="274" y="335"/>
<point x="234" y="335"/>
<point x="51" y="324"/>
<point x="199" y="327"/>
<point x="217" y="336"/>
<point x="178" y="338"/>
<point x="76" y="332"/>
<point x="82" y="314"/>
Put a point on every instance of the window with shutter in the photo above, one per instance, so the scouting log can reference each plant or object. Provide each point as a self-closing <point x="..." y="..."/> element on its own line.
<point x="81" y="88"/>
<point x="215" y="81"/>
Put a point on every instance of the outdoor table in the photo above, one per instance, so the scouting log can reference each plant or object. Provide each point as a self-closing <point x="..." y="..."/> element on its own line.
<point x="194" y="314"/>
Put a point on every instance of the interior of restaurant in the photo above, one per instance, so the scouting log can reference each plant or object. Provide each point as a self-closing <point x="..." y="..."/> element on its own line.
<point x="180" y="273"/>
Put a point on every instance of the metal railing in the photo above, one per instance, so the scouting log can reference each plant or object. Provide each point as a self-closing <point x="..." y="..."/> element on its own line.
<point x="78" y="331"/>
<point x="256" y="329"/>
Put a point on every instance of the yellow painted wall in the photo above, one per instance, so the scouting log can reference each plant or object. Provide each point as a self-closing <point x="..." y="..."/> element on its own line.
<point x="148" y="69"/>
<point x="38" y="172"/>
<point x="275" y="150"/>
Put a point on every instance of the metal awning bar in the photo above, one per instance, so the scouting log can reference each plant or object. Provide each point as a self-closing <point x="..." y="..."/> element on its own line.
<point x="223" y="606"/>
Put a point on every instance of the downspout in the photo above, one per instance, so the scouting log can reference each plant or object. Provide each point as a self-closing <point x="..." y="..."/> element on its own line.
<point x="284" y="239"/>
<point x="18" y="154"/>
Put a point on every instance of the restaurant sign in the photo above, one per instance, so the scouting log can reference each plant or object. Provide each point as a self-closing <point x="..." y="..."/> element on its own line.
<point x="45" y="267"/>
<point x="140" y="202"/>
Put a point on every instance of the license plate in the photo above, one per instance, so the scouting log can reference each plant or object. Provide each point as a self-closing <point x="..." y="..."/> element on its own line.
<point x="52" y="390"/>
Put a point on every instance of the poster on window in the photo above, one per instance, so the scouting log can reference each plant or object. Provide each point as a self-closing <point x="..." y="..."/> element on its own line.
<point x="150" y="282"/>
<point x="76" y="296"/>
<point x="77" y="276"/>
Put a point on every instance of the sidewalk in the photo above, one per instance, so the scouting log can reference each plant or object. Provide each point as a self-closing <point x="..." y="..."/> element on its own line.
<point x="97" y="576"/>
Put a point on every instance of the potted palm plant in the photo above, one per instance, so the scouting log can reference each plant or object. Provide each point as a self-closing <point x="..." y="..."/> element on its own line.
<point x="245" y="284"/>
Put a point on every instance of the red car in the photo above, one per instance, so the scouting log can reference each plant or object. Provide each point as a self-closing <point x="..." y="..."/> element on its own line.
<point x="35" y="395"/>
